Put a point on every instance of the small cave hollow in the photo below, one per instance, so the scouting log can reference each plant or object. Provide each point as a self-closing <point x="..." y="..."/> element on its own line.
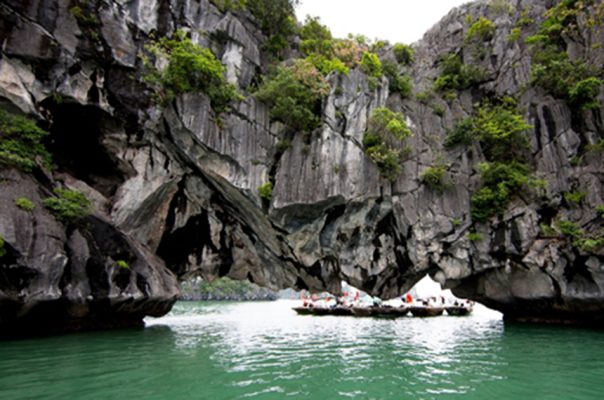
<point x="177" y="247"/>
<point x="76" y="143"/>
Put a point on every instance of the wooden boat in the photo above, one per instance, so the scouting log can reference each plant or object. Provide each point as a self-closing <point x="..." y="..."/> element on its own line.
<point x="401" y="311"/>
<point x="426" y="311"/>
<point x="380" y="311"/>
<point x="339" y="310"/>
<point x="390" y="312"/>
<point x="458" y="310"/>
<point x="362" y="311"/>
<point x="319" y="310"/>
<point x="303" y="310"/>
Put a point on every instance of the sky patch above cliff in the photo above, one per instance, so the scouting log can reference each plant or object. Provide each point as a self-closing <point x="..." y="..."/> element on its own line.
<point x="394" y="20"/>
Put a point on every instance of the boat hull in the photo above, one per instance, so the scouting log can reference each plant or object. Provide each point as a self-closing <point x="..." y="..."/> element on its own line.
<point x="426" y="311"/>
<point x="361" y="311"/>
<point x="458" y="311"/>
<point x="302" y="310"/>
<point x="380" y="312"/>
<point x="339" y="311"/>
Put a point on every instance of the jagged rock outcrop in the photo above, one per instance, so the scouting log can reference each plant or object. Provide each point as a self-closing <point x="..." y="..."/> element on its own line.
<point x="181" y="182"/>
<point x="55" y="279"/>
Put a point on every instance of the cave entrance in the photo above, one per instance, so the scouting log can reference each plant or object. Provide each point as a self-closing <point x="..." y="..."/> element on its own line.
<point x="78" y="142"/>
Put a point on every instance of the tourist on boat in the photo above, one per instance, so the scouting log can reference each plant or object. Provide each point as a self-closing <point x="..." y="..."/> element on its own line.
<point x="408" y="298"/>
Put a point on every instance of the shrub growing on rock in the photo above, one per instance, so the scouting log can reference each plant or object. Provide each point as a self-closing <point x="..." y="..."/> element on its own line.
<point x="21" y="143"/>
<point x="229" y="5"/>
<point x="349" y="51"/>
<point x="500" y="130"/>
<point x="498" y="127"/>
<point x="266" y="191"/>
<point x="474" y="237"/>
<point x="569" y="229"/>
<point x="315" y="38"/>
<point x="585" y="93"/>
<point x="483" y="29"/>
<point x="371" y="65"/>
<point x="461" y="134"/>
<point x="434" y="177"/>
<point x="327" y="65"/>
<point x="552" y="68"/>
<point x="277" y="21"/>
<point x="500" y="182"/>
<point x="188" y="68"/>
<point x="397" y="83"/>
<point x="294" y="94"/>
<point x="575" y="197"/>
<point x="24" y="204"/>
<point x="456" y="75"/>
<point x="383" y="141"/>
<point x="69" y="206"/>
<point x="318" y="45"/>
<point x="403" y="53"/>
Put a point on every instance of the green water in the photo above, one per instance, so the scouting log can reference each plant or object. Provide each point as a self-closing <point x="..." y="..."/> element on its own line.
<point x="266" y="351"/>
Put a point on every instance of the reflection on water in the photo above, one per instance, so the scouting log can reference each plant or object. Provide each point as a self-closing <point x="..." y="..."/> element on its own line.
<point x="266" y="351"/>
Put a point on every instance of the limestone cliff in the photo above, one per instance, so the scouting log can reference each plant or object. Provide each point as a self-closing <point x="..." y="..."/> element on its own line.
<point x="176" y="183"/>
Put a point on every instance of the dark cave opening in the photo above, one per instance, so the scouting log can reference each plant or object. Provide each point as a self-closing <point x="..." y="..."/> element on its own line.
<point x="176" y="247"/>
<point x="77" y="145"/>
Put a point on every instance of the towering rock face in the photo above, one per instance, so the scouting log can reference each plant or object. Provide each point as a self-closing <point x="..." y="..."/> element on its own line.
<point x="175" y="183"/>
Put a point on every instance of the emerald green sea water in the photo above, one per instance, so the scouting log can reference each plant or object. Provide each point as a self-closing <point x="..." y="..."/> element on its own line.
<point x="266" y="351"/>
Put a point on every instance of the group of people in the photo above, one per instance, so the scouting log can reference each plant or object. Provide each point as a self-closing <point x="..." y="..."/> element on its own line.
<point x="354" y="299"/>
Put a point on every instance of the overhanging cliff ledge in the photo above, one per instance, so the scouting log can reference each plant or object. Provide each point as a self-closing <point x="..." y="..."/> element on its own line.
<point x="215" y="138"/>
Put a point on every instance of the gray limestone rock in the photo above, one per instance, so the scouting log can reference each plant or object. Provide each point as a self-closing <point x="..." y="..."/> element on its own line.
<point x="180" y="181"/>
<point x="58" y="278"/>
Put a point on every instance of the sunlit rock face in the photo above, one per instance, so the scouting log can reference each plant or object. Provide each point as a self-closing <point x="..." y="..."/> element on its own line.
<point x="180" y="184"/>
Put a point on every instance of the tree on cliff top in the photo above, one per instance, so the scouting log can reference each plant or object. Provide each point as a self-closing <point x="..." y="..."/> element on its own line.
<point x="277" y="21"/>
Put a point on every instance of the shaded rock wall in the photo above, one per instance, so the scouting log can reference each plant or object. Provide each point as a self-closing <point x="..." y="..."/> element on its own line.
<point x="56" y="279"/>
<point x="182" y="186"/>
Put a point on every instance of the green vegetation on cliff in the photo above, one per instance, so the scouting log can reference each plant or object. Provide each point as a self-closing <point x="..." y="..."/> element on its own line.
<point x="189" y="68"/>
<point x="397" y="82"/>
<point x="435" y="177"/>
<point x="500" y="131"/>
<point x="553" y="69"/>
<point x="21" y="143"/>
<point x="69" y="206"/>
<point x="383" y="141"/>
<point x="500" y="182"/>
<point x="294" y="94"/>
<point x="266" y="191"/>
<point x="276" y="19"/>
<point x="403" y="53"/>
<point x="482" y="30"/>
<point x="317" y="44"/>
<point x="25" y="204"/>
<point x="371" y="65"/>
<point x="455" y="75"/>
